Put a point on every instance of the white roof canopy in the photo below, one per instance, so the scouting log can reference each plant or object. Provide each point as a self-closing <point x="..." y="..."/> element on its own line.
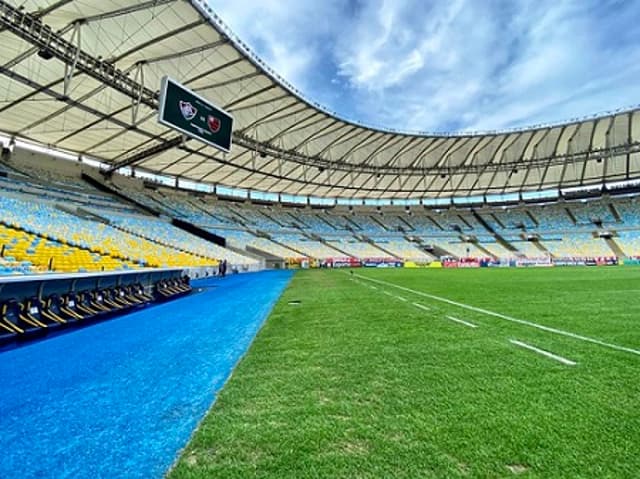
<point x="84" y="76"/>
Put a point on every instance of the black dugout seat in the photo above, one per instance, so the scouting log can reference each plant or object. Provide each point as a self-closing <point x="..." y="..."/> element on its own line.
<point x="21" y="324"/>
<point x="119" y="297"/>
<point x="138" y="291"/>
<point x="71" y="306"/>
<point x="54" y="307"/>
<point x="34" y="309"/>
<point x="98" y="301"/>
<point x="86" y="303"/>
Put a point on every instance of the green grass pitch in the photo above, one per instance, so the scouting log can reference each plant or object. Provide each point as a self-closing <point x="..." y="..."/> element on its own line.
<point x="355" y="382"/>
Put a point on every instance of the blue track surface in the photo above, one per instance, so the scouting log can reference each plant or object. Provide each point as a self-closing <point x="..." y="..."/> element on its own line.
<point x="119" y="399"/>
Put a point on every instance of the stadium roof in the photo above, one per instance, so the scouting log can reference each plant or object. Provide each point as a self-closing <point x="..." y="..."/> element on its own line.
<point x="84" y="77"/>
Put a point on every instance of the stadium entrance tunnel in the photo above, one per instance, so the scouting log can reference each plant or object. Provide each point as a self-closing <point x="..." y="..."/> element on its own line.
<point x="39" y="306"/>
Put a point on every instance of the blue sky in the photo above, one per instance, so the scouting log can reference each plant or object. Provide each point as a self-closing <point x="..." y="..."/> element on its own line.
<point x="457" y="65"/>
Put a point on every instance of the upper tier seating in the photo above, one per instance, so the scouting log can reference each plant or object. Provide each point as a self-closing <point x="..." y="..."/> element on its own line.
<point x="629" y="211"/>
<point x="367" y="225"/>
<point x="586" y="213"/>
<point x="552" y="218"/>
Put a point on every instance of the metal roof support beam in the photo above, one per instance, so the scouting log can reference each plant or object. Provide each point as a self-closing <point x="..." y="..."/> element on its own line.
<point x="320" y="133"/>
<point x="270" y="115"/>
<point x="385" y="144"/>
<point x="410" y="145"/>
<point x="30" y="83"/>
<point x="253" y="94"/>
<point x="607" y="146"/>
<point x="158" y="39"/>
<point x="142" y="120"/>
<point x="184" y="53"/>
<point x="534" y="157"/>
<point x="148" y="153"/>
<point x="362" y="143"/>
<point x="485" y="167"/>
<point x="503" y="154"/>
<point x="138" y="76"/>
<point x="172" y="163"/>
<point x="61" y="3"/>
<point x="127" y="10"/>
<point x="555" y="153"/>
<point x="69" y="69"/>
<point x="230" y="81"/>
<point x="223" y="164"/>
<point x="629" y="140"/>
<point x="32" y="30"/>
<point x="297" y="125"/>
<point x="68" y="107"/>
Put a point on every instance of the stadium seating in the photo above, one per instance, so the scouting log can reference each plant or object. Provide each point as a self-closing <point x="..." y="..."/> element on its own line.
<point x="527" y="248"/>
<point x="48" y="226"/>
<point x="629" y="242"/>
<point x="164" y="233"/>
<point x="403" y="249"/>
<point x="26" y="253"/>
<point x="586" y="213"/>
<point x="355" y="248"/>
<point x="552" y="218"/>
<point x="310" y="248"/>
<point x="243" y="239"/>
<point x="578" y="245"/>
<point x="629" y="211"/>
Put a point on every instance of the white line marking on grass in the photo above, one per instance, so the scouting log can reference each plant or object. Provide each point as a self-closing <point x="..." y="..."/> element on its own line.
<point x="401" y="298"/>
<point x="461" y="321"/>
<point x="418" y="305"/>
<point x="509" y="318"/>
<point x="560" y="359"/>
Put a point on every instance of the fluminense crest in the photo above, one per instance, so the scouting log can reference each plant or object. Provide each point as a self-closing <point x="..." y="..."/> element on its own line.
<point x="188" y="110"/>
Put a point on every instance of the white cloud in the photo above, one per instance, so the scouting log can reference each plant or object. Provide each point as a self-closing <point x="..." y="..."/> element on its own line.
<point x="459" y="65"/>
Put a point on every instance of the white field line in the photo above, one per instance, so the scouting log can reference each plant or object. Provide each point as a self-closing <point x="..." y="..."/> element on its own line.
<point x="560" y="359"/>
<point x="401" y="298"/>
<point x="509" y="318"/>
<point x="418" y="305"/>
<point x="461" y="321"/>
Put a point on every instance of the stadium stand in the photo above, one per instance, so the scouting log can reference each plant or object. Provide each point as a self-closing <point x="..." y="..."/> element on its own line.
<point x="66" y="224"/>
<point x="46" y="229"/>
<point x="577" y="245"/>
<point x="629" y="242"/>
<point x="403" y="249"/>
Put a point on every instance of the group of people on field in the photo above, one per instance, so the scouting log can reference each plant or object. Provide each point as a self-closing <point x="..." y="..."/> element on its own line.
<point x="222" y="268"/>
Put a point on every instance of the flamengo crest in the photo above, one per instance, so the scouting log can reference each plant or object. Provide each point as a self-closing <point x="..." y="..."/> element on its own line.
<point x="214" y="124"/>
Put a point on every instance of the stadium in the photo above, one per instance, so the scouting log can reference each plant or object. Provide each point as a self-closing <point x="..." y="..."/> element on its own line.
<point x="204" y="273"/>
